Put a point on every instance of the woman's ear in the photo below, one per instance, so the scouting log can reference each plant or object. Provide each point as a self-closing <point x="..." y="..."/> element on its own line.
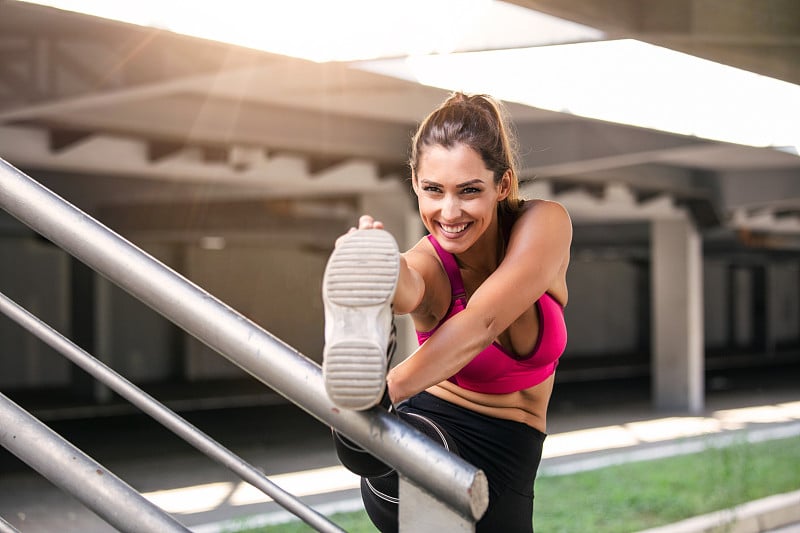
<point x="504" y="187"/>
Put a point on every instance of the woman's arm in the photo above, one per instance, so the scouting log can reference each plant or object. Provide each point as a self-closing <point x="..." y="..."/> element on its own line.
<point x="411" y="294"/>
<point x="536" y="254"/>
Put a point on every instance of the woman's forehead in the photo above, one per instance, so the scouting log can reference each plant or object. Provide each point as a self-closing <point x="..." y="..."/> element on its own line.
<point x="437" y="156"/>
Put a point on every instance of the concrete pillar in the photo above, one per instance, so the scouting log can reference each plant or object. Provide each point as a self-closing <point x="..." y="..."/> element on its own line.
<point x="742" y="306"/>
<point x="677" y="297"/>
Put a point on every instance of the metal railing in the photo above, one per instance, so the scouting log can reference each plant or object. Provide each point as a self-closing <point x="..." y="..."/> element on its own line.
<point x="453" y="492"/>
<point x="15" y="421"/>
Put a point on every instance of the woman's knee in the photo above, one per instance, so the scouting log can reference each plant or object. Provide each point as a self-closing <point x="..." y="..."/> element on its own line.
<point x="357" y="459"/>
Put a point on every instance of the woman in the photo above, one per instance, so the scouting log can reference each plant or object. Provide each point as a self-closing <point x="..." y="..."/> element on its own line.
<point x="485" y="289"/>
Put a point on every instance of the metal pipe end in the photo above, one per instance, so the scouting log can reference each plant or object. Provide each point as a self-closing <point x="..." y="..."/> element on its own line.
<point x="479" y="495"/>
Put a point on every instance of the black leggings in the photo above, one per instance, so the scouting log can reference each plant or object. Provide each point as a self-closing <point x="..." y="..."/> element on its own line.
<point x="508" y="453"/>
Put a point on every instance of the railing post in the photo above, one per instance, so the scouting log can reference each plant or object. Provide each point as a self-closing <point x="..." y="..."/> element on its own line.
<point x="421" y="512"/>
<point x="450" y="479"/>
<point x="77" y="473"/>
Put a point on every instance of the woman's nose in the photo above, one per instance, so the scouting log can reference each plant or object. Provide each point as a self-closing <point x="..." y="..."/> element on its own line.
<point x="451" y="208"/>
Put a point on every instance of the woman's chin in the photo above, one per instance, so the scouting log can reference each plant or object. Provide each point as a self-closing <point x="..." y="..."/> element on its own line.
<point x="453" y="242"/>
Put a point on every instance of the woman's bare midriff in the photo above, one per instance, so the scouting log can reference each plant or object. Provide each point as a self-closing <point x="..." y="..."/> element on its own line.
<point x="528" y="406"/>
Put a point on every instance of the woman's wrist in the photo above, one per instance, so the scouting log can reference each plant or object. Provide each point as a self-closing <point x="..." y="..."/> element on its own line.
<point x="395" y="393"/>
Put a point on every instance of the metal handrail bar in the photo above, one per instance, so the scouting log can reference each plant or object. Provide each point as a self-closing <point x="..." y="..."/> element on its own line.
<point x="163" y="415"/>
<point x="446" y="477"/>
<point x="75" y="472"/>
<point x="5" y="527"/>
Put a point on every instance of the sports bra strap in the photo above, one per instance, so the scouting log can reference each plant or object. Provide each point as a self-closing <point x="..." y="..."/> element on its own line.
<point x="451" y="268"/>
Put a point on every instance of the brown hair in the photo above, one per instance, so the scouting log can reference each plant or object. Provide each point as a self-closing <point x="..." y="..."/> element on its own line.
<point x="480" y="122"/>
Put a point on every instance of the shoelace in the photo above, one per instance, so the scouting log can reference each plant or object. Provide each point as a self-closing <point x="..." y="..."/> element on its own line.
<point x="390" y="350"/>
<point x="392" y="346"/>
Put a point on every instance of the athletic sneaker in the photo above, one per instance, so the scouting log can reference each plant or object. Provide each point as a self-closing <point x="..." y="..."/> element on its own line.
<point x="357" y="291"/>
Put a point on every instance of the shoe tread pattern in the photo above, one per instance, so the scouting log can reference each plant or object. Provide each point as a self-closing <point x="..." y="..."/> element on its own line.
<point x="363" y="269"/>
<point x="360" y="274"/>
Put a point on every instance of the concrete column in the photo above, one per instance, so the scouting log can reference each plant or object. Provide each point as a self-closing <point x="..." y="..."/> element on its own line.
<point x="773" y="283"/>
<point x="742" y="306"/>
<point x="392" y="208"/>
<point x="397" y="212"/>
<point x="677" y="298"/>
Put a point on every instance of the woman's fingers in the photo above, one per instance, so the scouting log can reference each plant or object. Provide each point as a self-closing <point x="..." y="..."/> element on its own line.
<point x="364" y="222"/>
<point x="367" y="222"/>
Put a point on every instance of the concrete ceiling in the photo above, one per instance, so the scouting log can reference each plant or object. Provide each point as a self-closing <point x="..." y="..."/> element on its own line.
<point x="761" y="36"/>
<point x="109" y="114"/>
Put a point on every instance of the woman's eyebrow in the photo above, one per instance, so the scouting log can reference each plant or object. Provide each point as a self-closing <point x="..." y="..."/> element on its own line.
<point x="470" y="182"/>
<point x="476" y="181"/>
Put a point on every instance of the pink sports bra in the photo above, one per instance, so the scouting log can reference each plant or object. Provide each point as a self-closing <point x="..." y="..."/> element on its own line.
<point x="495" y="370"/>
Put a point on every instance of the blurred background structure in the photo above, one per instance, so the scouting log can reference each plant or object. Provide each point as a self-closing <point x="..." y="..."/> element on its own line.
<point x="238" y="168"/>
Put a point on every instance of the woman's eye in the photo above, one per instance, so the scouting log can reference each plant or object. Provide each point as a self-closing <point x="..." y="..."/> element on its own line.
<point x="431" y="188"/>
<point x="470" y="190"/>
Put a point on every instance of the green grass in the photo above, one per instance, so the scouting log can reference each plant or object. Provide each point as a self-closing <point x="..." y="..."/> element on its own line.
<point x="636" y="496"/>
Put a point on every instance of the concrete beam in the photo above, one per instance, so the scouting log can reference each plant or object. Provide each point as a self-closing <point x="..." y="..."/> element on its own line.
<point x="759" y="36"/>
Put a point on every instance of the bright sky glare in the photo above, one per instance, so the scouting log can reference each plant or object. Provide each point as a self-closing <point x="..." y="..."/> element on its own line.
<point x="622" y="81"/>
<point x="345" y="30"/>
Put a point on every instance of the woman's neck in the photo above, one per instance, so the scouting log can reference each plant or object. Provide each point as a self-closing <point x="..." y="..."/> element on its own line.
<point x="487" y="252"/>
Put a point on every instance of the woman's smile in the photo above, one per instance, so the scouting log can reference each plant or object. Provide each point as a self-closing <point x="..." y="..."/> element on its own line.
<point x="453" y="229"/>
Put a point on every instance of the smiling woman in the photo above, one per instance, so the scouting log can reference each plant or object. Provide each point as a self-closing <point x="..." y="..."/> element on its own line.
<point x="485" y="290"/>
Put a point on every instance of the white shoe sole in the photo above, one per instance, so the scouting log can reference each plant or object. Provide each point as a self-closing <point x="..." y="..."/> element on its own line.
<point x="357" y="291"/>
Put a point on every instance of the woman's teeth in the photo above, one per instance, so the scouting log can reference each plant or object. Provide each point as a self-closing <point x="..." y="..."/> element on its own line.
<point x="454" y="229"/>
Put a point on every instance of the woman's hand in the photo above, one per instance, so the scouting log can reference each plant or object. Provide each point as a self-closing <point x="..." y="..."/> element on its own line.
<point x="364" y="222"/>
<point x="367" y="222"/>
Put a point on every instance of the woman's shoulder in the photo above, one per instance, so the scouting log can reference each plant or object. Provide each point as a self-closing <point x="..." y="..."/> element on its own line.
<point x="543" y="235"/>
<point x="541" y="204"/>
<point x="534" y="213"/>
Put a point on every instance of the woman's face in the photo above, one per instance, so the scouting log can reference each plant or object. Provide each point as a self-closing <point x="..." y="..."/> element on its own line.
<point x="457" y="195"/>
